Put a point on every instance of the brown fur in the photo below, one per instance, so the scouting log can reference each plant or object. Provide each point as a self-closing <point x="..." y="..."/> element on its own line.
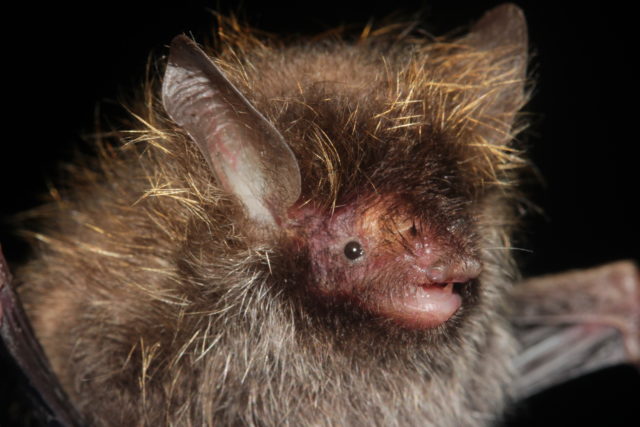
<point x="155" y="308"/>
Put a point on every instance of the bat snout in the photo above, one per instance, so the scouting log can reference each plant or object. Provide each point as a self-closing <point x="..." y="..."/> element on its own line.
<point x="456" y="272"/>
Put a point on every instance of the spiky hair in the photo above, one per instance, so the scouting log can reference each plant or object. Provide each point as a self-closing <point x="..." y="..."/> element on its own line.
<point x="146" y="287"/>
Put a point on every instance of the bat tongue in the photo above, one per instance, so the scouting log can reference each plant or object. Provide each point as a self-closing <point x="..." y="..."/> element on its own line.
<point x="421" y="307"/>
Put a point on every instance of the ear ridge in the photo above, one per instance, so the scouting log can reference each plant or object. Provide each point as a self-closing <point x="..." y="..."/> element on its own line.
<point x="246" y="153"/>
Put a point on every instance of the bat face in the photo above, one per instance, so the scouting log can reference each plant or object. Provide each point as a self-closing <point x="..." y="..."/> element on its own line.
<point x="299" y="232"/>
<point x="388" y="263"/>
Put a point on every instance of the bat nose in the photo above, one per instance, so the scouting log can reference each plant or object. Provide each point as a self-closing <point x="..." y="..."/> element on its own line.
<point x="452" y="271"/>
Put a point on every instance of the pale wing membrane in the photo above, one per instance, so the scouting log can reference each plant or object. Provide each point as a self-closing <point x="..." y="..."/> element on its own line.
<point x="22" y="345"/>
<point x="574" y="323"/>
<point x="247" y="154"/>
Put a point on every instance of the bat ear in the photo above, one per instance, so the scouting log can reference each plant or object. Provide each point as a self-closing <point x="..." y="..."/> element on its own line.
<point x="501" y="34"/>
<point x="246" y="153"/>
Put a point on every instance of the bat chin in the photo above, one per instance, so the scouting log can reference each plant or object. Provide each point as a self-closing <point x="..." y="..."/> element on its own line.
<point x="420" y="307"/>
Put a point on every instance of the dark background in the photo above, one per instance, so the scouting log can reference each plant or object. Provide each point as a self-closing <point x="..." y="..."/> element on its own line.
<point x="65" y="61"/>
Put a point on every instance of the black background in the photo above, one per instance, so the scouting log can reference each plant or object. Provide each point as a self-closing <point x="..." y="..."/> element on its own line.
<point x="62" y="62"/>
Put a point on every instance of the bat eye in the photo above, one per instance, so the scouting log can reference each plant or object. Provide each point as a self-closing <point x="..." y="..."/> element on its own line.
<point x="353" y="250"/>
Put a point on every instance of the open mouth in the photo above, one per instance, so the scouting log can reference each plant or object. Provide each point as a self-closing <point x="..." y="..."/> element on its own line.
<point x="427" y="305"/>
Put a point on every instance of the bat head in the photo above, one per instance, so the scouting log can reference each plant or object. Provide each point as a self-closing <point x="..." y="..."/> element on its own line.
<point x="378" y="172"/>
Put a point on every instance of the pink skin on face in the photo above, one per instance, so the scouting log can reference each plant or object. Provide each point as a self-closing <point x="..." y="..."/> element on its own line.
<point x="401" y="274"/>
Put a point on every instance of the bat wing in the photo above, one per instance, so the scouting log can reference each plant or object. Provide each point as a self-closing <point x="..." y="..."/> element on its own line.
<point x="574" y="323"/>
<point x="22" y="345"/>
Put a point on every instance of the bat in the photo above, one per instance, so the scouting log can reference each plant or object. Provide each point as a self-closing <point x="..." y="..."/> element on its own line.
<point x="364" y="326"/>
